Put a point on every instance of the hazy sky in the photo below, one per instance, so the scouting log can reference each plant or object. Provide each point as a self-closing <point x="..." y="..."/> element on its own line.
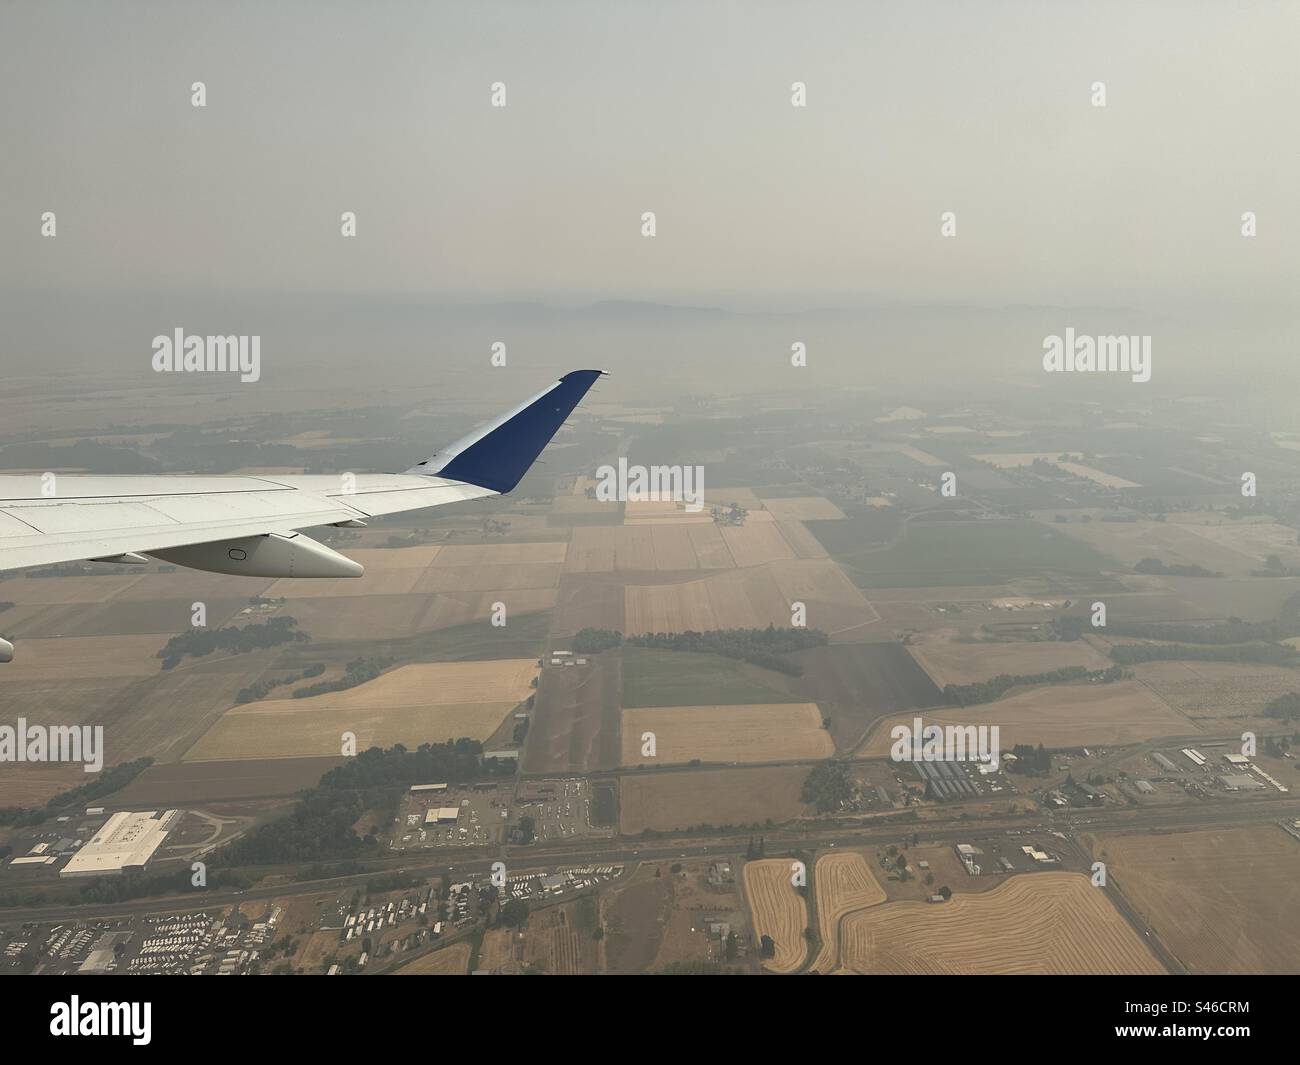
<point x="683" y="109"/>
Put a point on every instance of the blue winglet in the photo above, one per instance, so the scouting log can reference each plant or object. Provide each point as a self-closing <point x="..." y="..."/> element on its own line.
<point x="498" y="455"/>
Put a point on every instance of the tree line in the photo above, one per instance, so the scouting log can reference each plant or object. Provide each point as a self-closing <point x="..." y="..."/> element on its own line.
<point x="985" y="691"/>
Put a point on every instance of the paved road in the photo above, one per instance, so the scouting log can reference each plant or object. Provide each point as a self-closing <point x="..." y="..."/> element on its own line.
<point x="1226" y="812"/>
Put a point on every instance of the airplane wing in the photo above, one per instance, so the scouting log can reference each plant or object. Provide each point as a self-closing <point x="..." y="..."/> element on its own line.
<point x="250" y="525"/>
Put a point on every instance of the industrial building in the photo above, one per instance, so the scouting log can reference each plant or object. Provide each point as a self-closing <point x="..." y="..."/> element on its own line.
<point x="442" y="815"/>
<point x="946" y="780"/>
<point x="1239" y="781"/>
<point x="125" y="844"/>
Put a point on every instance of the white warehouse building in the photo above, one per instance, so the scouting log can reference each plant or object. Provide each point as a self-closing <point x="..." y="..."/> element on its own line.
<point x="125" y="844"/>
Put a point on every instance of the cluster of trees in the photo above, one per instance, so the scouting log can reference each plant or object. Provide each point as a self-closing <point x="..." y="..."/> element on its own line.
<point x="235" y="639"/>
<point x="262" y="688"/>
<point x="1033" y="761"/>
<point x="762" y="647"/>
<point x="320" y="828"/>
<point x="593" y="641"/>
<point x="985" y="691"/>
<point x="105" y="783"/>
<point x="828" y="786"/>
<point x="358" y="671"/>
<point x="1286" y="707"/>
<point x="1270" y="653"/>
<point x="1154" y="565"/>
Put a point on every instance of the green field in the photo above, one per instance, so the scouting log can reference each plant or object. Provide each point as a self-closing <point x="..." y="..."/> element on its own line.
<point x="684" y="678"/>
<point x="967" y="553"/>
<point x="524" y="637"/>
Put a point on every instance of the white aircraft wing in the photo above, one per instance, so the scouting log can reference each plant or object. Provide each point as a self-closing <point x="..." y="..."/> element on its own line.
<point x="250" y="525"/>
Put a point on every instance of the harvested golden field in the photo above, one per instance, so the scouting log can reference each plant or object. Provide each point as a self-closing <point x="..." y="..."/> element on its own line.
<point x="498" y="950"/>
<point x="844" y="884"/>
<point x="750" y="598"/>
<point x="668" y="512"/>
<point x="1034" y="924"/>
<point x="85" y="657"/>
<point x="412" y="705"/>
<point x="834" y="603"/>
<point x="710" y="547"/>
<point x="803" y="508"/>
<point x="802" y="542"/>
<point x="1072" y="715"/>
<point x="490" y="577"/>
<point x="772" y="732"/>
<point x="449" y="961"/>
<point x="965" y="663"/>
<point x="643" y="548"/>
<point x="373" y="582"/>
<point x="667" y="802"/>
<point x="754" y="543"/>
<point x="502" y="554"/>
<point x="266" y="731"/>
<point x="1222" y="900"/>
<point x="777" y="910"/>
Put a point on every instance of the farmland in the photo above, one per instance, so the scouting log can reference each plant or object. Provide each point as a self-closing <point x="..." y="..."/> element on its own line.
<point x="668" y="801"/>
<point x="856" y="684"/>
<point x="449" y="961"/>
<point x="1056" y="716"/>
<point x="844" y="884"/>
<point x="749" y="598"/>
<point x="575" y="721"/>
<point x="1223" y="900"/>
<point x="968" y="553"/>
<point x="777" y="910"/>
<point x="1235" y="548"/>
<point x="679" y="678"/>
<point x="964" y="663"/>
<point x="1033" y="924"/>
<point x="732" y="733"/>
<point x="411" y="705"/>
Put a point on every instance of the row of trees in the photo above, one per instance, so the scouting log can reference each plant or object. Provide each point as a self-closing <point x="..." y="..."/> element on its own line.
<point x="262" y="688"/>
<point x="235" y="639"/>
<point x="985" y="691"/>
<point x="762" y="647"/>
<point x="105" y="783"/>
